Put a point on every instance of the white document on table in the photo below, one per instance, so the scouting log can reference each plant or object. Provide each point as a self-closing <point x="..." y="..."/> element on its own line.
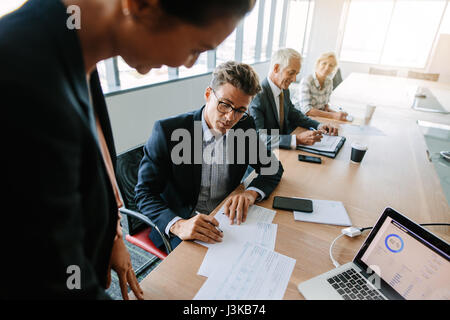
<point x="255" y="215"/>
<point x="326" y="212"/>
<point x="256" y="273"/>
<point x="362" y="130"/>
<point x="221" y="253"/>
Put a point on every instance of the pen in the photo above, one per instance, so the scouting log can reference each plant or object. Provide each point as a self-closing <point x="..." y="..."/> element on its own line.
<point x="311" y="128"/>
<point x="218" y="229"/>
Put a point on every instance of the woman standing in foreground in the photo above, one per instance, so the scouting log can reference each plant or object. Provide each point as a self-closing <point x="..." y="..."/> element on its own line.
<point x="61" y="218"/>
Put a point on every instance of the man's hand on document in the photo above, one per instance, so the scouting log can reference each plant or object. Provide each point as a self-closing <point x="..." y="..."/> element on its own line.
<point x="237" y="205"/>
<point x="200" y="227"/>
<point x="329" y="128"/>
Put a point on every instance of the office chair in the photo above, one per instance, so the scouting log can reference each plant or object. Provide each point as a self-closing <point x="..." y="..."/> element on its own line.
<point x="139" y="225"/>
<point x="337" y="79"/>
<point x="423" y="76"/>
<point x="384" y="72"/>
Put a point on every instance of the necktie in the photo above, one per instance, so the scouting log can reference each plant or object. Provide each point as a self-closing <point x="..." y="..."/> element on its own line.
<point x="281" y="111"/>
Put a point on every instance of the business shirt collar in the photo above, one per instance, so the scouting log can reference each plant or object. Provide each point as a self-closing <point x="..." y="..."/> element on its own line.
<point x="208" y="135"/>
<point x="275" y="90"/>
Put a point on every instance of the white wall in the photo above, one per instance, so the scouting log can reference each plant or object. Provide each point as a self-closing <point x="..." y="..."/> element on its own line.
<point x="440" y="58"/>
<point x="324" y="32"/>
<point x="133" y="114"/>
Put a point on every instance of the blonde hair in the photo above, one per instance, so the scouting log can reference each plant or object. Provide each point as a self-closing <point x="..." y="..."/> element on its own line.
<point x="283" y="56"/>
<point x="325" y="56"/>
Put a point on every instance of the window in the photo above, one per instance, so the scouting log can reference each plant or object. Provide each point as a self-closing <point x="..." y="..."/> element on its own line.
<point x="266" y="26"/>
<point x="200" y="66"/>
<point x="271" y="24"/>
<point x="130" y="78"/>
<point x="127" y="76"/>
<point x="445" y="25"/>
<point x="250" y="33"/>
<point x="278" y="25"/>
<point x="411" y="32"/>
<point x="366" y="26"/>
<point x="307" y="29"/>
<point x="101" y="68"/>
<point x="299" y="24"/>
<point x="225" y="51"/>
<point x="6" y="6"/>
<point x="391" y="32"/>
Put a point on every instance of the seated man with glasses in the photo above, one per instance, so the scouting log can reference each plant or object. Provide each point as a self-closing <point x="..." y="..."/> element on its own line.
<point x="193" y="161"/>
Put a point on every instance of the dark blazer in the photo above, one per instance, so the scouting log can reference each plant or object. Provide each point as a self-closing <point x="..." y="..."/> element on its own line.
<point x="264" y="110"/>
<point x="60" y="208"/>
<point x="166" y="190"/>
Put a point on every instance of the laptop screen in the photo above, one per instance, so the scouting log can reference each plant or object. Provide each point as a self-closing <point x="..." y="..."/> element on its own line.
<point x="411" y="265"/>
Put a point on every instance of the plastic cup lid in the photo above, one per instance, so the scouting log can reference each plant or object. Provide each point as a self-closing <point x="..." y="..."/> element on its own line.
<point x="359" y="146"/>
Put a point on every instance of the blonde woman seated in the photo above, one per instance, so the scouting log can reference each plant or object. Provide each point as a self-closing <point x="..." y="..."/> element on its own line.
<point x="315" y="90"/>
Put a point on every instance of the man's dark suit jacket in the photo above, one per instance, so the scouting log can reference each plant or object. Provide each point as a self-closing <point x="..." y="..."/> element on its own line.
<point x="166" y="190"/>
<point x="264" y="110"/>
<point x="60" y="207"/>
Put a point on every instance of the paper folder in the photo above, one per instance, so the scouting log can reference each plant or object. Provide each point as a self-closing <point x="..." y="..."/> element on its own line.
<point x="329" y="154"/>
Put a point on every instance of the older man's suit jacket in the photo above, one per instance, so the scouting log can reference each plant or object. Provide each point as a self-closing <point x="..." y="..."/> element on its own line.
<point x="263" y="109"/>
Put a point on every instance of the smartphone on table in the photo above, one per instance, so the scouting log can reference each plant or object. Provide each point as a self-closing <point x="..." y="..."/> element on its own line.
<point x="294" y="204"/>
<point x="309" y="159"/>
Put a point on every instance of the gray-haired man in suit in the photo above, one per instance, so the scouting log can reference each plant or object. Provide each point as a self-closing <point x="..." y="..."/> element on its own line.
<point x="273" y="103"/>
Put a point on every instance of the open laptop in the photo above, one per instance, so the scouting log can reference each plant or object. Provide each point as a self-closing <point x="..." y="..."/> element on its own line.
<point x="398" y="260"/>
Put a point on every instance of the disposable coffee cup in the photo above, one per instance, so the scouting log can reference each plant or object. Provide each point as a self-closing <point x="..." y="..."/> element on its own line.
<point x="370" y="109"/>
<point x="358" y="152"/>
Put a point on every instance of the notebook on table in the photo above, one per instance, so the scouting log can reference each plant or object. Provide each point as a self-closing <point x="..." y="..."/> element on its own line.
<point x="329" y="146"/>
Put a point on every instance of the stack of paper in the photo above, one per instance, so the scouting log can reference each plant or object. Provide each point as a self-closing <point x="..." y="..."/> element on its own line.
<point x="327" y="212"/>
<point x="256" y="273"/>
<point x="257" y="229"/>
<point x="246" y="253"/>
<point x="255" y="215"/>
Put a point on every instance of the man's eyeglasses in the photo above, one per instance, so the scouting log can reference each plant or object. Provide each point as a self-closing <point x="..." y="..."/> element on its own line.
<point x="224" y="107"/>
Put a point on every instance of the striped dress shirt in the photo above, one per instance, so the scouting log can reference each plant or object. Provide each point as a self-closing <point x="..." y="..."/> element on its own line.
<point x="215" y="178"/>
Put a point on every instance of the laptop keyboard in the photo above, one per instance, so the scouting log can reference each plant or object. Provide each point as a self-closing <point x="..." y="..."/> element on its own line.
<point x="352" y="286"/>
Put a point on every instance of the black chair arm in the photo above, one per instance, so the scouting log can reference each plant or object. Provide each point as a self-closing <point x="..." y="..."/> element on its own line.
<point x="148" y="222"/>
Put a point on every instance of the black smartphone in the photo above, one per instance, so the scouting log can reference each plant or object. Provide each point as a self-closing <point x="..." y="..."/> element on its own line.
<point x="293" y="204"/>
<point x="309" y="159"/>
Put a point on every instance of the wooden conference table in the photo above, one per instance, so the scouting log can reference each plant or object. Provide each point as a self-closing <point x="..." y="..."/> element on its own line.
<point x="395" y="172"/>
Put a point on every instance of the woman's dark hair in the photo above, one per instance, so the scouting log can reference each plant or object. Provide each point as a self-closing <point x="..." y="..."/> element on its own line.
<point x="203" y="12"/>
